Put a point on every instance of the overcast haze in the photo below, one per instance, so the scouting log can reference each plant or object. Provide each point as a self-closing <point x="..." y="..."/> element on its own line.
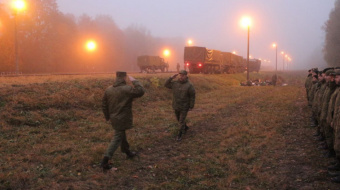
<point x="295" y="25"/>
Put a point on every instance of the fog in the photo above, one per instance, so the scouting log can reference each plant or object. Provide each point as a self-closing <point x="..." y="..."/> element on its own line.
<point x="127" y="29"/>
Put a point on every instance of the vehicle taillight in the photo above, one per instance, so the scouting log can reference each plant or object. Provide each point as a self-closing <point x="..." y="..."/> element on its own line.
<point x="200" y="64"/>
<point x="187" y="64"/>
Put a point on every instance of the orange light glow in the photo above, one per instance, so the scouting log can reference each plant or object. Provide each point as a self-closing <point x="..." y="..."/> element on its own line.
<point x="19" y="5"/>
<point x="246" y="22"/>
<point x="91" y="45"/>
<point x="200" y="64"/>
<point x="187" y="64"/>
<point x="234" y="52"/>
<point x="274" y="44"/>
<point x="190" y="42"/>
<point x="282" y="52"/>
<point x="166" y="52"/>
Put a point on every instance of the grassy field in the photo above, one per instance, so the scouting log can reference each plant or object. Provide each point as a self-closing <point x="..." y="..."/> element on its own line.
<point x="53" y="136"/>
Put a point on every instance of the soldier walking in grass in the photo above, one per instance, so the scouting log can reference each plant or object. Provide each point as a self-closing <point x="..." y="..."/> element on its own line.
<point x="183" y="99"/>
<point x="117" y="108"/>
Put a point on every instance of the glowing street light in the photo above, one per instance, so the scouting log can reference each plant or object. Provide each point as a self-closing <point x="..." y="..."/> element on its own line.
<point x="246" y="23"/>
<point x="166" y="53"/>
<point x="275" y="46"/>
<point x="234" y="52"/>
<point x="190" y="42"/>
<point x="18" y="5"/>
<point x="91" y="45"/>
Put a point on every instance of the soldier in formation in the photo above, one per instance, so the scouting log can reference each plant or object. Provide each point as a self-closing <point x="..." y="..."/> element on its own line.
<point x="322" y="88"/>
<point x="183" y="99"/>
<point x="117" y="108"/>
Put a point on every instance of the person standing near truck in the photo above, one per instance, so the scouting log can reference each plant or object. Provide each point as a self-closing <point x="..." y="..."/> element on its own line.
<point x="178" y="67"/>
<point x="183" y="99"/>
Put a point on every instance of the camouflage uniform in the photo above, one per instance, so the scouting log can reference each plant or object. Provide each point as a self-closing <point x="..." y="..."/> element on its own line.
<point x="336" y="126"/>
<point x="183" y="99"/>
<point x="326" y="128"/>
<point x="117" y="107"/>
<point x="308" y="84"/>
<point x="312" y="93"/>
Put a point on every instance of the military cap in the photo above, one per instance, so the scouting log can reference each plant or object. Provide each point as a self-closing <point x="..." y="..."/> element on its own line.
<point x="183" y="72"/>
<point x="330" y="72"/>
<point x="337" y="72"/>
<point x="121" y="74"/>
<point x="325" y="70"/>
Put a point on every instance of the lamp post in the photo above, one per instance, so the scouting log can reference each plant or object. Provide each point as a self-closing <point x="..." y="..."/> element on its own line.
<point x="246" y="23"/>
<point x="286" y="56"/>
<point x="283" y="58"/>
<point x="18" y="5"/>
<point x="275" y="46"/>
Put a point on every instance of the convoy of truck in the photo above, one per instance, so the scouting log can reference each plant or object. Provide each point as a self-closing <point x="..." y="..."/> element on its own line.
<point x="202" y="60"/>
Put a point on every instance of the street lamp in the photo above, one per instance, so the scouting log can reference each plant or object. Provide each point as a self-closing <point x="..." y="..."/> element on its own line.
<point x="91" y="45"/>
<point x="190" y="42"/>
<point x="286" y="56"/>
<point x="246" y="23"/>
<point x="18" y="5"/>
<point x="275" y="46"/>
<point x="166" y="52"/>
<point x="234" y="52"/>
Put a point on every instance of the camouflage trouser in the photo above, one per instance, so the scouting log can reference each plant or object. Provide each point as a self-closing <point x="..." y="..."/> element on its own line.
<point x="328" y="132"/>
<point x="118" y="139"/>
<point x="337" y="141"/>
<point x="180" y="116"/>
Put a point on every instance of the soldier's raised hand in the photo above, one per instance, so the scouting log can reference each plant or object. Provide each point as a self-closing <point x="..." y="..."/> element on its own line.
<point x="131" y="78"/>
<point x="174" y="76"/>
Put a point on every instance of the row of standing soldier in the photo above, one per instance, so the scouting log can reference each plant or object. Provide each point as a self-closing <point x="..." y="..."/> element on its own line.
<point x="117" y="108"/>
<point x="323" y="89"/>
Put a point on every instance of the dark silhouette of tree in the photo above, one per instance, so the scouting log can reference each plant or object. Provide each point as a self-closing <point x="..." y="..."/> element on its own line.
<point x="332" y="41"/>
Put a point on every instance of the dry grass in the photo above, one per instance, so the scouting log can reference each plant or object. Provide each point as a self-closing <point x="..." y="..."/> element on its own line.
<point x="53" y="134"/>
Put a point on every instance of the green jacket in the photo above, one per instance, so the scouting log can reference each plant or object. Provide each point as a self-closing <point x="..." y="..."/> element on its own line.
<point x="325" y="100"/>
<point x="330" y="112"/>
<point x="336" y="115"/>
<point x="319" y="99"/>
<point x="308" y="84"/>
<point x="312" y="93"/>
<point x="117" y="103"/>
<point x="183" y="94"/>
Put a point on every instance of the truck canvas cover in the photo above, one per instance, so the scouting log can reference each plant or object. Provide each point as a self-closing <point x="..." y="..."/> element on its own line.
<point x="195" y="54"/>
<point x="147" y="60"/>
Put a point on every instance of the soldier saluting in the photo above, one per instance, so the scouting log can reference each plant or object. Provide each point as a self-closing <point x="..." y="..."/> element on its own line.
<point x="183" y="99"/>
<point x="117" y="108"/>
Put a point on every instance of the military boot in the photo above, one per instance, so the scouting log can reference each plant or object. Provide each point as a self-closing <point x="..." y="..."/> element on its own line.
<point x="335" y="179"/>
<point x="105" y="164"/>
<point x="334" y="167"/>
<point x="186" y="128"/>
<point x="334" y="173"/>
<point x="130" y="155"/>
<point x="179" y="137"/>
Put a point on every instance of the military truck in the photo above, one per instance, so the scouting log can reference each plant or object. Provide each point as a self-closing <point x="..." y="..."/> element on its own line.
<point x="148" y="63"/>
<point x="232" y="63"/>
<point x="202" y="60"/>
<point x="254" y="65"/>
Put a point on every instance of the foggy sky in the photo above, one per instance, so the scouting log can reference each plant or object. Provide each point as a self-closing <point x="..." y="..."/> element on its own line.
<point x="295" y="25"/>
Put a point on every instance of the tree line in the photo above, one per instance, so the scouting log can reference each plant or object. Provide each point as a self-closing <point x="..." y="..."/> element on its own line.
<point x="332" y="41"/>
<point x="50" y="41"/>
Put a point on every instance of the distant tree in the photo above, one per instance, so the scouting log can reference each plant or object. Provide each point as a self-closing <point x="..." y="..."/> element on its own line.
<point x="139" y="41"/>
<point x="6" y="41"/>
<point x="332" y="41"/>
